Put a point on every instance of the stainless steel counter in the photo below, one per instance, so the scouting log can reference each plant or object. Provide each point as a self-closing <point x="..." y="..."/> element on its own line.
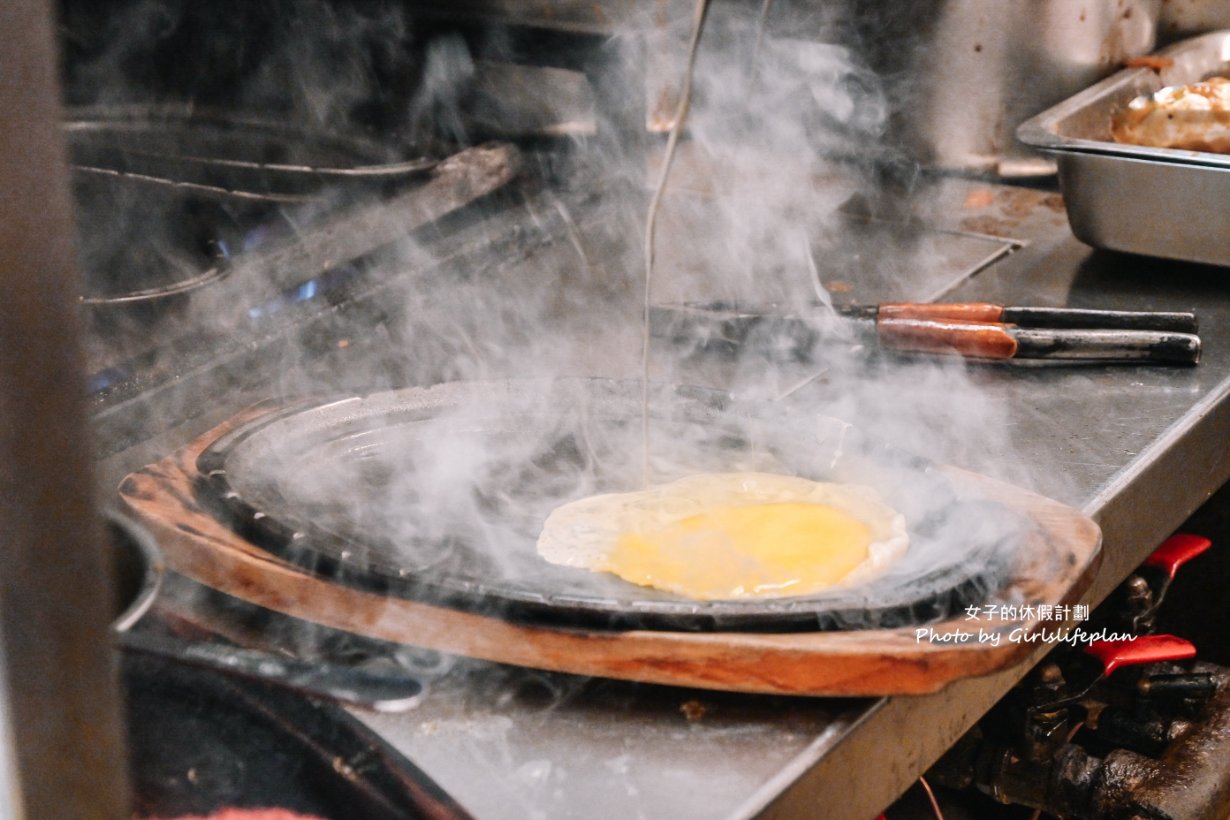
<point x="1137" y="448"/>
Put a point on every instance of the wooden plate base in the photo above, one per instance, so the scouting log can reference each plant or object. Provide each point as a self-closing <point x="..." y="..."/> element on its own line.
<point x="1057" y="562"/>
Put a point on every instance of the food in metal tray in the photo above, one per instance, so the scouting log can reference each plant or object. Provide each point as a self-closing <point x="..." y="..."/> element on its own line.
<point x="717" y="536"/>
<point x="1194" y="117"/>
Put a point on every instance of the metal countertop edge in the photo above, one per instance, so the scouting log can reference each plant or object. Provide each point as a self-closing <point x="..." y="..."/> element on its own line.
<point x="1161" y="488"/>
<point x="832" y="773"/>
<point x="792" y="774"/>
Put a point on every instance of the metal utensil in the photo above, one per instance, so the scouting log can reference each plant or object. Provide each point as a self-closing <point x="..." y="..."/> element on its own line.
<point x="140" y="571"/>
<point x="721" y="326"/>
<point x="998" y="341"/>
<point x="235" y="155"/>
<point x="1049" y="317"/>
<point x="381" y="691"/>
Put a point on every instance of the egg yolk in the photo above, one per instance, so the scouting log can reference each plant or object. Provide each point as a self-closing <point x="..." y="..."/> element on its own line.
<point x="756" y="550"/>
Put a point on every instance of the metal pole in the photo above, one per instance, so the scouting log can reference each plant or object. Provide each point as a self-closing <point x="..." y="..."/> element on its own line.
<point x="65" y="740"/>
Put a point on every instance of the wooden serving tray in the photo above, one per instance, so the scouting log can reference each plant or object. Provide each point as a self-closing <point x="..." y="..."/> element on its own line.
<point x="1056" y="564"/>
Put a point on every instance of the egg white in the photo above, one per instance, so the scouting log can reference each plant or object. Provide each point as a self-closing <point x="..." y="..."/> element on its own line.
<point x="583" y="533"/>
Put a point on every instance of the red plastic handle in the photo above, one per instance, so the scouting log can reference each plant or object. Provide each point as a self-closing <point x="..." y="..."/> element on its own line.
<point x="1145" y="649"/>
<point x="1176" y="551"/>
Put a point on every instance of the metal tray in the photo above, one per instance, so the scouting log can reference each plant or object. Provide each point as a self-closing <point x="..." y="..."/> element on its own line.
<point x="1152" y="201"/>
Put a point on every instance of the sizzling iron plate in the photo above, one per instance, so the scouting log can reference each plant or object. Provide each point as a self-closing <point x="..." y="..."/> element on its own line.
<point x="439" y="494"/>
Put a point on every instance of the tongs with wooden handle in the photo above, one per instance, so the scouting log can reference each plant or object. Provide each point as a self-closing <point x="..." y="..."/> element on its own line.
<point x="986" y="331"/>
<point x="1065" y="318"/>
<point x="973" y="330"/>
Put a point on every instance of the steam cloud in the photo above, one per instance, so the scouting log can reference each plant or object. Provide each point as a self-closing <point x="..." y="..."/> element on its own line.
<point x="754" y="216"/>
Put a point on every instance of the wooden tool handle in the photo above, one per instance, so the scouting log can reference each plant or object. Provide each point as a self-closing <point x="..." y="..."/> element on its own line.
<point x="961" y="312"/>
<point x="979" y="340"/>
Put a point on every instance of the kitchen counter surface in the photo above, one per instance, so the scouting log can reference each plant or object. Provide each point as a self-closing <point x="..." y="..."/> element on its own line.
<point x="1136" y="448"/>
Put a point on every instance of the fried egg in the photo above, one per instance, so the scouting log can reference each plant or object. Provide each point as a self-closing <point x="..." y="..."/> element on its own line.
<point x="723" y="536"/>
